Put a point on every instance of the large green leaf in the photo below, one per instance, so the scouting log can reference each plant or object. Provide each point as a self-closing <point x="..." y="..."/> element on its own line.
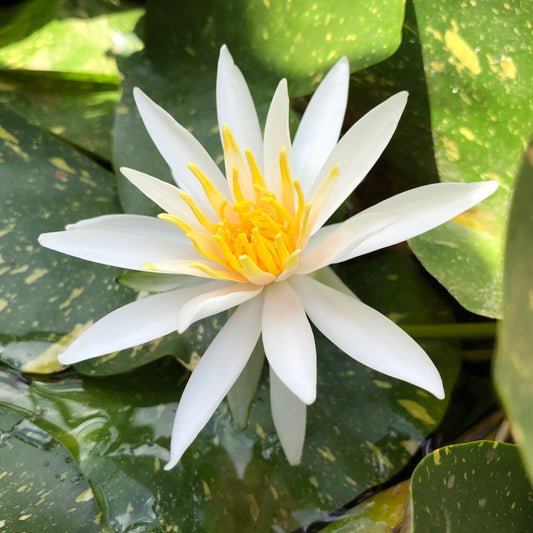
<point x="514" y="366"/>
<point x="41" y="486"/>
<point x="480" y="486"/>
<point x="478" y="71"/>
<point x="77" y="38"/>
<point x="77" y="106"/>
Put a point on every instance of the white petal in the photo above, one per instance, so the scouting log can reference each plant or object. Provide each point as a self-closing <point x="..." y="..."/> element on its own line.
<point x="133" y="324"/>
<point x="357" y="151"/>
<point x="345" y="237"/>
<point x="288" y="340"/>
<point x="328" y="277"/>
<point x="321" y="125"/>
<point x="118" y="248"/>
<point x="366" y="335"/>
<point x="235" y="106"/>
<point x="276" y="137"/>
<point x="219" y="300"/>
<point x="420" y="210"/>
<point x="165" y="195"/>
<point x="134" y="224"/>
<point x="179" y="147"/>
<point x="214" y="375"/>
<point x="242" y="394"/>
<point x="289" y="414"/>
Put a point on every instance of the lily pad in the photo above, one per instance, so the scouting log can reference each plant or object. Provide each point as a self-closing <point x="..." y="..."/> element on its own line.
<point x="40" y="483"/>
<point x="513" y="369"/>
<point x="76" y="38"/>
<point x="478" y="71"/>
<point x="480" y="484"/>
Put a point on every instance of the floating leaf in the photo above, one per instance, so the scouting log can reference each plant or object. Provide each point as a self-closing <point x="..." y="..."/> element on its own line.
<point x="478" y="71"/>
<point x="514" y="367"/>
<point x="480" y="484"/>
<point x="41" y="485"/>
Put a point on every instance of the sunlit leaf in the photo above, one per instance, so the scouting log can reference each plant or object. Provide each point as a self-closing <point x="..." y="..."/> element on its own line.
<point x="478" y="71"/>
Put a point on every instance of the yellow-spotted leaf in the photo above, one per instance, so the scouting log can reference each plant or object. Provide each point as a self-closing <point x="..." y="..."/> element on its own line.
<point x="477" y="61"/>
<point x="41" y="486"/>
<point x="479" y="486"/>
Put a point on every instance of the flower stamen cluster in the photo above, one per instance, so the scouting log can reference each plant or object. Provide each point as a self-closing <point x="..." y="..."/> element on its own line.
<point x="260" y="236"/>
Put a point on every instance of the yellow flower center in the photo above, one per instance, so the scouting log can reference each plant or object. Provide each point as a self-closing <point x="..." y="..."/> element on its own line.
<point x="259" y="237"/>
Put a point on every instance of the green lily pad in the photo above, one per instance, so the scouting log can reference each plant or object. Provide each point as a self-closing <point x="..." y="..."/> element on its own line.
<point x="479" y="484"/>
<point x="478" y="71"/>
<point x="513" y="369"/>
<point x="75" y="101"/>
<point x="40" y="483"/>
<point x="81" y="113"/>
<point x="77" y="38"/>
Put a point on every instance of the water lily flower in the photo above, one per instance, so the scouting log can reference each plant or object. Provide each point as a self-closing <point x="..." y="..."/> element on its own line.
<point x="255" y="241"/>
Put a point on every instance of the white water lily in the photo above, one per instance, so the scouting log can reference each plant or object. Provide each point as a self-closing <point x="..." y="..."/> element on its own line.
<point x="255" y="242"/>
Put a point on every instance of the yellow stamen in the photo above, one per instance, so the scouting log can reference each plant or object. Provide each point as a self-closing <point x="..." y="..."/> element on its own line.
<point x="175" y="220"/>
<point x="257" y="177"/>
<point x="228" y="255"/>
<point x="237" y="192"/>
<point x="204" y="221"/>
<point x="259" y="237"/>
<point x="218" y="274"/>
<point x="217" y="200"/>
<point x="287" y="187"/>
<point x="253" y="273"/>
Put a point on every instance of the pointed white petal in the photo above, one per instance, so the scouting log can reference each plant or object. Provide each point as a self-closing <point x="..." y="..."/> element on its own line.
<point x="276" y="137"/>
<point x="235" y="106"/>
<point x="165" y="195"/>
<point x="321" y="125"/>
<point x="118" y="248"/>
<point x="179" y="147"/>
<point x="242" y="394"/>
<point x="133" y="324"/>
<point x="289" y="414"/>
<point x="366" y="335"/>
<point x="214" y="375"/>
<point x="219" y="300"/>
<point x="328" y="277"/>
<point x="134" y="224"/>
<point x="346" y="236"/>
<point x="288" y="340"/>
<point x="420" y="210"/>
<point x="357" y="151"/>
